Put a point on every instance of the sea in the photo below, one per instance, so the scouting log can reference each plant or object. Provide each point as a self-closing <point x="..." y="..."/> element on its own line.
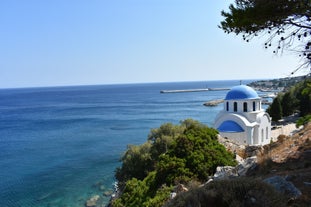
<point x="60" y="146"/>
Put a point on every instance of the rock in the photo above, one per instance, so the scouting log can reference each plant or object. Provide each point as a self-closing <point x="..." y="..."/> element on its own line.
<point x="248" y="164"/>
<point x="213" y="102"/>
<point x="173" y="195"/>
<point x="180" y="188"/>
<point x="283" y="186"/>
<point x="102" y="187"/>
<point x="108" y="193"/>
<point x="225" y="172"/>
<point x="251" y="151"/>
<point x="92" y="201"/>
<point x="209" y="180"/>
<point x="239" y="159"/>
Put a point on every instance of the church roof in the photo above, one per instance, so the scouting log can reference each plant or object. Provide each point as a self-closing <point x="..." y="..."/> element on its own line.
<point x="230" y="126"/>
<point x="241" y="92"/>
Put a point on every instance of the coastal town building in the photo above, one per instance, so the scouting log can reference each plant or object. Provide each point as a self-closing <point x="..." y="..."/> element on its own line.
<point x="242" y="119"/>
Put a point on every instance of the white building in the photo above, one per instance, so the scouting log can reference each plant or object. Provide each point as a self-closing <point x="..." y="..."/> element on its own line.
<point x="242" y="120"/>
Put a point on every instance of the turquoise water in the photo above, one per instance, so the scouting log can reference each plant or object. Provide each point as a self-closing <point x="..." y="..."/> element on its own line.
<point x="59" y="146"/>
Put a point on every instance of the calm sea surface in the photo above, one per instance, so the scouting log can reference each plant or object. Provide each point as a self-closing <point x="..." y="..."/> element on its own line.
<point x="59" y="146"/>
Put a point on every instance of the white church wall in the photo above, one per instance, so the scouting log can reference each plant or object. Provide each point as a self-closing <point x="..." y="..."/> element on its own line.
<point x="265" y="130"/>
<point x="251" y="116"/>
<point x="256" y="135"/>
<point x="248" y="113"/>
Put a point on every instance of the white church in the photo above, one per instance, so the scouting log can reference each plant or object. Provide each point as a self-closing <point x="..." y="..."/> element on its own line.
<point x="242" y="119"/>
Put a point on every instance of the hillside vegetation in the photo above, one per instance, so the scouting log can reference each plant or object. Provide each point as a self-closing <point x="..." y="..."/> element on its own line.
<point x="173" y="154"/>
<point x="296" y="99"/>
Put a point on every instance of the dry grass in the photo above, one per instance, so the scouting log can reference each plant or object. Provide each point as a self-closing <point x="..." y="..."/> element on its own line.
<point x="290" y="156"/>
<point x="234" y="193"/>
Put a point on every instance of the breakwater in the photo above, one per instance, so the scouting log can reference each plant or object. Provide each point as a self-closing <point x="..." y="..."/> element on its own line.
<point x="194" y="90"/>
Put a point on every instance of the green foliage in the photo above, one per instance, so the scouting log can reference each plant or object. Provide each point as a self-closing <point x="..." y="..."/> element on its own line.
<point x="161" y="196"/>
<point x="172" y="170"/>
<point x="275" y="110"/>
<point x="233" y="193"/>
<point x="286" y="23"/>
<point x="297" y="98"/>
<point x="289" y="103"/>
<point x="143" y="193"/>
<point x="133" y="193"/>
<point x="165" y="130"/>
<point x="173" y="154"/>
<point x="136" y="163"/>
<point x="304" y="96"/>
<point x="162" y="138"/>
<point x="303" y="120"/>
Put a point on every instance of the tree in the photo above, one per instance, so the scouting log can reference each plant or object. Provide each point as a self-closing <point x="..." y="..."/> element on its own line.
<point x="289" y="103"/>
<point x="136" y="163"/>
<point x="285" y="22"/>
<point x="161" y="138"/>
<point x="304" y="96"/>
<point x="275" y="110"/>
<point x="296" y="99"/>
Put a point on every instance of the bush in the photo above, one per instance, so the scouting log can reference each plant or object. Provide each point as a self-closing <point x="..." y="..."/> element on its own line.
<point x="136" y="163"/>
<point x="303" y="120"/>
<point x="173" y="154"/>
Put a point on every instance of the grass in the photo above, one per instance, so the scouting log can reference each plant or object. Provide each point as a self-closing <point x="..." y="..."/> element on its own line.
<point x="231" y="193"/>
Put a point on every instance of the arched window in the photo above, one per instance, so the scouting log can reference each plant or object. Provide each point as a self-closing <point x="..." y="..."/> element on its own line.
<point x="227" y="106"/>
<point x="262" y="134"/>
<point x="245" y="106"/>
<point x="235" y="106"/>
<point x="254" y="106"/>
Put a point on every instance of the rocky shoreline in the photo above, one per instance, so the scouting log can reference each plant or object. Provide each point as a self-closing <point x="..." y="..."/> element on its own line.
<point x="101" y="199"/>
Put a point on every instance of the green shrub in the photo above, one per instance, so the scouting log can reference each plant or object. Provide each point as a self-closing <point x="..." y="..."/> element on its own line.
<point x="173" y="154"/>
<point x="303" y="120"/>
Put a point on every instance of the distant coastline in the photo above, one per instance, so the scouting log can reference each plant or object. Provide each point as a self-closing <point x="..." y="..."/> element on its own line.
<point x="280" y="84"/>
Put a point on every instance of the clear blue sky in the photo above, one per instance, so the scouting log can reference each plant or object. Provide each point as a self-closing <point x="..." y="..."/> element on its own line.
<point x="83" y="42"/>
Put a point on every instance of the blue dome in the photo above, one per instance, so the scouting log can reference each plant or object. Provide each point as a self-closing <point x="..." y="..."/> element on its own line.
<point x="230" y="126"/>
<point x="241" y="92"/>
